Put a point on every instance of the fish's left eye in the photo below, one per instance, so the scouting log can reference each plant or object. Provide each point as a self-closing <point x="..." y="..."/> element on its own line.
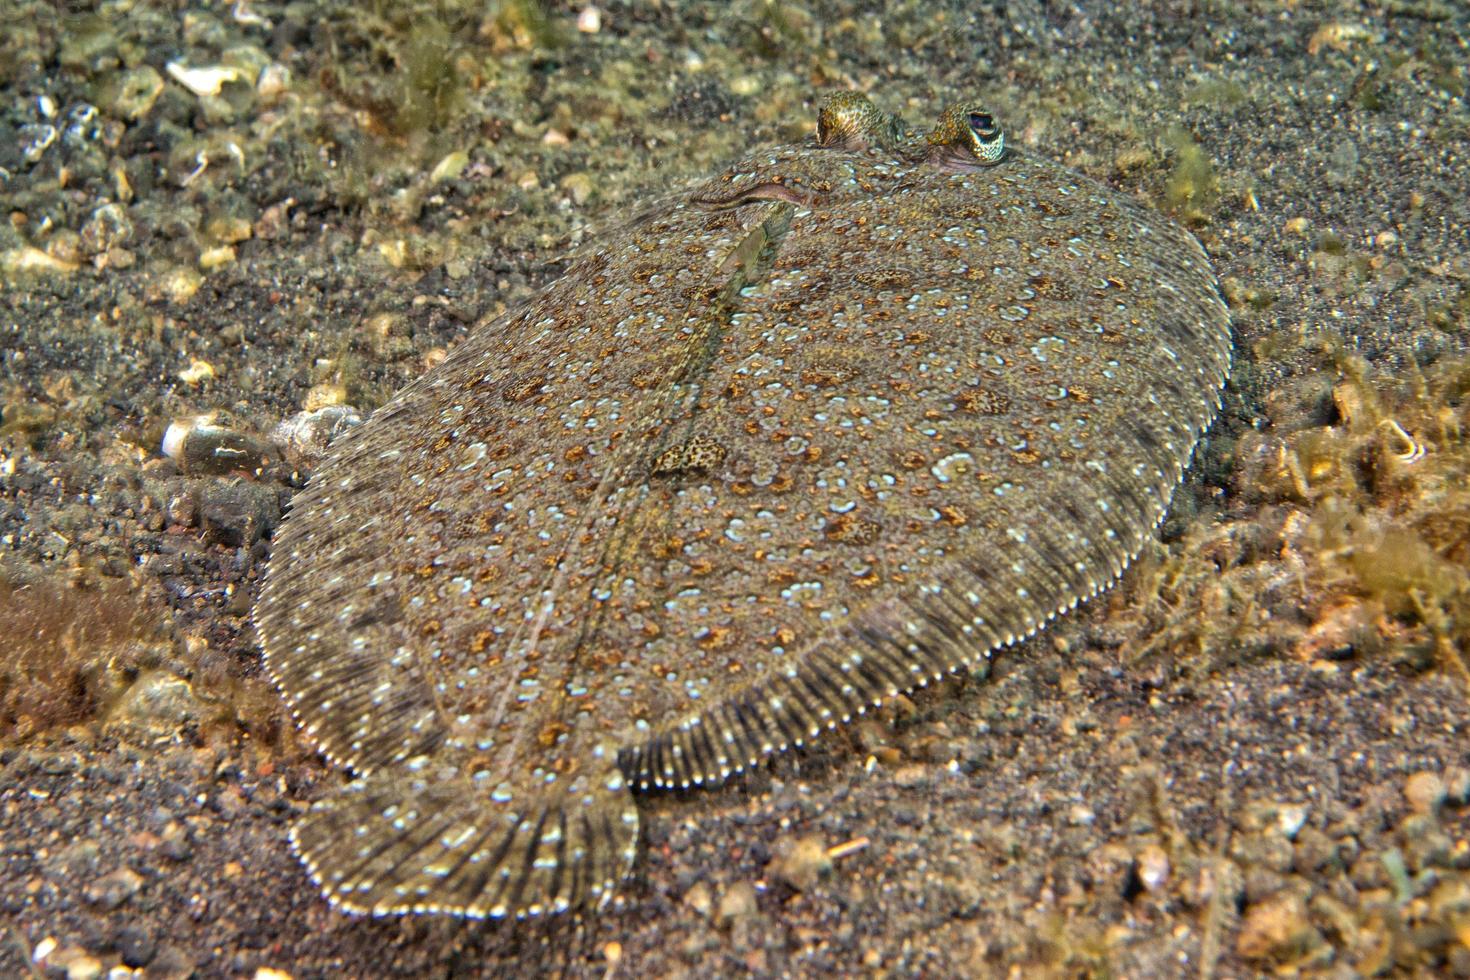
<point x="982" y="124"/>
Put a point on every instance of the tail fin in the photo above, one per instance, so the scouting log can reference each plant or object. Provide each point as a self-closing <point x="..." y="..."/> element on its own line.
<point x="392" y="843"/>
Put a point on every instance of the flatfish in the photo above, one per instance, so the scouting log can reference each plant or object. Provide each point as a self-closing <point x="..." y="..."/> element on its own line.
<point x="846" y="417"/>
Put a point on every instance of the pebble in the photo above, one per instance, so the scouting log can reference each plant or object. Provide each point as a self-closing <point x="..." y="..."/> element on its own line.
<point x="699" y="899"/>
<point x="77" y="963"/>
<point x="65" y="246"/>
<point x="1291" y="818"/>
<point x="175" y="844"/>
<point x="136" y="945"/>
<point x="1153" y="867"/>
<point x="203" y="445"/>
<point x="198" y="371"/>
<point x="32" y="259"/>
<point x="134" y="92"/>
<point x="241" y="510"/>
<point x="182" y="508"/>
<point x="579" y="187"/>
<point x="1426" y="845"/>
<point x="1457" y="785"/>
<point x="1277" y="928"/>
<point x="305" y="436"/>
<point x="158" y="702"/>
<point x="1425" y="792"/>
<point x="112" y="890"/>
<point x="107" y="228"/>
<point x="1316" y="852"/>
<point x="912" y="776"/>
<point x="179" y="284"/>
<point x="800" y="861"/>
<point x="274" y="82"/>
<point x="738" y="902"/>
<point x="217" y="257"/>
<point x="228" y="229"/>
<point x="204" y="81"/>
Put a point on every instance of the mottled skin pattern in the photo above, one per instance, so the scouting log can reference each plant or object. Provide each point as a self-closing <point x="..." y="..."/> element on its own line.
<point x="846" y="417"/>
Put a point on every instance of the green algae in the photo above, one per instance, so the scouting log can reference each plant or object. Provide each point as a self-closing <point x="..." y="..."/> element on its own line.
<point x="1364" y="530"/>
<point x="1192" y="190"/>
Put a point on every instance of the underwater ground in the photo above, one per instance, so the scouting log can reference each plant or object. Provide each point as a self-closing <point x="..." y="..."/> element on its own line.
<point x="1251" y="756"/>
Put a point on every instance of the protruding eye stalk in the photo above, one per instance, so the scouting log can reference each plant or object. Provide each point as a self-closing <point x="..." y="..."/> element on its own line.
<point x="967" y="136"/>
<point x="849" y="120"/>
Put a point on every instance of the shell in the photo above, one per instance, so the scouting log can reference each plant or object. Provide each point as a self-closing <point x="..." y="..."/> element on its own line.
<point x="846" y="417"/>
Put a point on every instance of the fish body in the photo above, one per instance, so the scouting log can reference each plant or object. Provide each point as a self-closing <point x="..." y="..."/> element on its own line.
<point x="846" y="417"/>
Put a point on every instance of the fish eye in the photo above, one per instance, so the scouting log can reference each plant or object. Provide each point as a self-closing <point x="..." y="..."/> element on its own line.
<point x="982" y="124"/>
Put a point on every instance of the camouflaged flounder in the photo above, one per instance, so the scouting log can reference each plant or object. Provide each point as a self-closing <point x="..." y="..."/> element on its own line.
<point x="850" y="415"/>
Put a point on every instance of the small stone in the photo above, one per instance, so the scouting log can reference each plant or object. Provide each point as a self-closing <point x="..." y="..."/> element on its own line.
<point x="1291" y="818"/>
<point x="179" y="285"/>
<point x="158" y="702"/>
<point x="242" y="511"/>
<point x="217" y="257"/>
<point x="175" y="844"/>
<point x="738" y="902"/>
<point x="589" y="20"/>
<point x="800" y="861"/>
<point x="107" y="228"/>
<point x="228" y="229"/>
<point x="197" y="372"/>
<point x="1153" y="867"/>
<point x="699" y="899"/>
<point x="203" y="444"/>
<point x="134" y="92"/>
<point x="275" y="220"/>
<point x="111" y="890"/>
<point x="305" y="436"/>
<point x="274" y="82"/>
<point x="171" y="963"/>
<point x="78" y="964"/>
<point x="136" y="945"/>
<point x="1457" y="785"/>
<point x="328" y="393"/>
<point x="911" y="776"/>
<point x="65" y="246"/>
<point x="1425" y="792"/>
<point x="115" y="258"/>
<point x="450" y="166"/>
<point x="206" y="81"/>
<point x="1426" y="845"/>
<point x="579" y="187"/>
<point x="1277" y="929"/>
<point x="32" y="259"/>
<point x="1315" y="852"/>
<point x="182" y="509"/>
